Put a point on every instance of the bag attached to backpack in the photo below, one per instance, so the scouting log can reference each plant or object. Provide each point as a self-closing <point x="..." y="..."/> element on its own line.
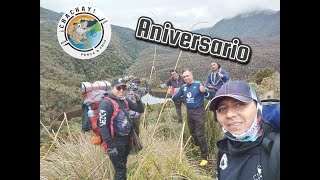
<point x="92" y="100"/>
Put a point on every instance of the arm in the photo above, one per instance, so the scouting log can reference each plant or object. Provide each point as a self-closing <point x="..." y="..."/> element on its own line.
<point x="226" y="76"/>
<point x="205" y="92"/>
<point x="208" y="80"/>
<point x="166" y="84"/>
<point x="178" y="95"/>
<point x="105" y="111"/>
<point x="138" y="106"/>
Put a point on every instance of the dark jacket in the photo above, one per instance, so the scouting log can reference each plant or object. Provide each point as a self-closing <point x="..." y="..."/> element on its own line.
<point x="122" y="124"/>
<point x="243" y="160"/>
<point x="174" y="83"/>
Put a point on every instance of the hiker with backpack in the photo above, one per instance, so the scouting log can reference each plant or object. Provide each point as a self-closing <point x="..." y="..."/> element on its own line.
<point x="250" y="148"/>
<point x="174" y="83"/>
<point x="216" y="78"/>
<point x="116" y="131"/>
<point x="193" y="93"/>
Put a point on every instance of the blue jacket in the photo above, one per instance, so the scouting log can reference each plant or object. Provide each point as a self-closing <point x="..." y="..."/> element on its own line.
<point x="192" y="95"/>
<point x="216" y="81"/>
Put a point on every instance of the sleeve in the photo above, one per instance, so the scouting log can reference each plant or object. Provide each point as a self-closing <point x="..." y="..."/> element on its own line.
<point x="178" y="95"/>
<point x="207" y="95"/>
<point x="175" y="90"/>
<point x="226" y="76"/>
<point x="138" y="106"/>
<point x="208" y="80"/>
<point x="105" y="111"/>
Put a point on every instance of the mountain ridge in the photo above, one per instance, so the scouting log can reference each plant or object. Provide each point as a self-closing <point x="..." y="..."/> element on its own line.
<point x="61" y="75"/>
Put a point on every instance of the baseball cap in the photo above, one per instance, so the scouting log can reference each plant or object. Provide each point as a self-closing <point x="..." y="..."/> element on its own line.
<point x="239" y="90"/>
<point x="117" y="82"/>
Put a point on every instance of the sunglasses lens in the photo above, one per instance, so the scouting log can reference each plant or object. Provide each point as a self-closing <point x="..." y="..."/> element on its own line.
<point x="122" y="87"/>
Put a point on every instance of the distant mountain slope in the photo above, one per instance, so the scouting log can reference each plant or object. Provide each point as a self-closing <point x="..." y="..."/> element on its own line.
<point x="257" y="24"/>
<point x="260" y="30"/>
<point x="61" y="75"/>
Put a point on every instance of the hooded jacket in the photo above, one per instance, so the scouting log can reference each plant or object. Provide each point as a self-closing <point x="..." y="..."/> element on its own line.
<point x="243" y="161"/>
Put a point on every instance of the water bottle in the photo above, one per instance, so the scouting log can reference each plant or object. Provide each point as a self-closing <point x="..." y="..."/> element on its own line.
<point x="90" y="112"/>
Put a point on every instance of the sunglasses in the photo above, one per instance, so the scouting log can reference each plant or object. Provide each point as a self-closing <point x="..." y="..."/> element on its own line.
<point x="122" y="87"/>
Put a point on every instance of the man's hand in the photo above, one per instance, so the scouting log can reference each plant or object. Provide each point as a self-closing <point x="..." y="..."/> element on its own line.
<point x="220" y="74"/>
<point x="210" y="86"/>
<point x="136" y="96"/>
<point x="201" y="88"/>
<point x="169" y="90"/>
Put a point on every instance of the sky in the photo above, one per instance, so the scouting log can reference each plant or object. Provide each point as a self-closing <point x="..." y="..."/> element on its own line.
<point x="183" y="14"/>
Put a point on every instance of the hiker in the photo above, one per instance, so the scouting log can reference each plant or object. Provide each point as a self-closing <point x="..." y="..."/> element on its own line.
<point x="193" y="92"/>
<point x="216" y="78"/>
<point x="175" y="81"/>
<point x="134" y="95"/>
<point x="242" y="152"/>
<point x="145" y="87"/>
<point x="119" y="146"/>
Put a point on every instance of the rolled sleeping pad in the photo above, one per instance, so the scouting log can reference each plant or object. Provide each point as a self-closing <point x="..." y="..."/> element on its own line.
<point x="88" y="86"/>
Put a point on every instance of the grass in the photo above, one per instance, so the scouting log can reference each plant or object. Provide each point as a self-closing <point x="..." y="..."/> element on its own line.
<point x="164" y="155"/>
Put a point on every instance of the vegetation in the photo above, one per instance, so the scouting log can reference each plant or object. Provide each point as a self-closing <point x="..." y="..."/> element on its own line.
<point x="164" y="155"/>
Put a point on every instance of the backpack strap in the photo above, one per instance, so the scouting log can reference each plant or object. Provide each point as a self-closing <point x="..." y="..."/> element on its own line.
<point x="270" y="156"/>
<point x="114" y="114"/>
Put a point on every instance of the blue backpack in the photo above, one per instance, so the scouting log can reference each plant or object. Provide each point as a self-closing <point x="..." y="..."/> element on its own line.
<point x="271" y="111"/>
<point x="270" y="158"/>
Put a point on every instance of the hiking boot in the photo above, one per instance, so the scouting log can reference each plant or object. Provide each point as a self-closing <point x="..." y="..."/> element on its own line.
<point x="204" y="162"/>
<point x="197" y="148"/>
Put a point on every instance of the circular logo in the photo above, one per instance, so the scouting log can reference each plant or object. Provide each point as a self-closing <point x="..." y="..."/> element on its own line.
<point x="84" y="32"/>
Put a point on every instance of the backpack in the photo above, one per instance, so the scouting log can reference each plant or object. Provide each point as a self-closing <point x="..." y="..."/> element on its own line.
<point x="271" y="111"/>
<point x="93" y="99"/>
<point x="270" y="155"/>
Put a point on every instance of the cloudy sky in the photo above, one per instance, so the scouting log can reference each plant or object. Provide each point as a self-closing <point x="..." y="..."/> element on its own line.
<point x="183" y="14"/>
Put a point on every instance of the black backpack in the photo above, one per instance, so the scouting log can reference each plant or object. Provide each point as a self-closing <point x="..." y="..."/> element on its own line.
<point x="270" y="155"/>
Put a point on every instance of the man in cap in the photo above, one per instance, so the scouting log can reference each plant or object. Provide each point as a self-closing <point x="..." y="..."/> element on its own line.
<point x="241" y="152"/>
<point x="119" y="146"/>
<point x="216" y="78"/>
<point x="193" y="93"/>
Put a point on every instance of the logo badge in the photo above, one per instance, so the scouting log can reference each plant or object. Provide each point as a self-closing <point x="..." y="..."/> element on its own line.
<point x="84" y="32"/>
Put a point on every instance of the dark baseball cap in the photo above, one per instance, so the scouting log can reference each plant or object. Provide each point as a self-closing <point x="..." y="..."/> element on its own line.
<point x="117" y="82"/>
<point x="239" y="90"/>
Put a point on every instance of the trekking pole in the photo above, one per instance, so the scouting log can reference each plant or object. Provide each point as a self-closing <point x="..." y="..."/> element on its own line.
<point x="175" y="67"/>
<point x="164" y="103"/>
<point x="208" y="104"/>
